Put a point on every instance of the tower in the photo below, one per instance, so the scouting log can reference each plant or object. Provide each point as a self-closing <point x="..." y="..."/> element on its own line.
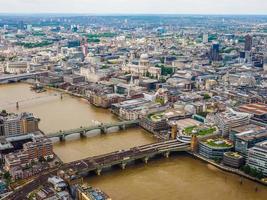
<point x="265" y="62"/>
<point x="205" y="38"/>
<point x="214" y="52"/>
<point x="84" y="46"/>
<point x="194" y="143"/>
<point x="248" y="43"/>
<point x="174" y="131"/>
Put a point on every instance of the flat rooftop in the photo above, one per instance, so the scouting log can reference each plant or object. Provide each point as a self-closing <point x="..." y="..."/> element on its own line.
<point x="248" y="127"/>
<point x="251" y="135"/>
<point x="254" y="108"/>
<point x="188" y="122"/>
<point x="218" y="143"/>
<point x="262" y="145"/>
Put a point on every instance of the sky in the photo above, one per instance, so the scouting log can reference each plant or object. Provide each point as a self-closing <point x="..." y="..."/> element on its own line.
<point x="135" y="6"/>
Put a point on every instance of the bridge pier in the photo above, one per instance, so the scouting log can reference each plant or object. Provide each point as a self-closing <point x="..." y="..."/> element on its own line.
<point x="123" y="165"/>
<point x="98" y="172"/>
<point x="83" y="134"/>
<point x="62" y="138"/>
<point x="145" y="159"/>
<point x="122" y="127"/>
<point x="104" y="130"/>
<point x="167" y="154"/>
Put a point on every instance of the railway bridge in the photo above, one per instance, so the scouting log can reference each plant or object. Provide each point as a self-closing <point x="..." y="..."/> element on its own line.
<point x="123" y="157"/>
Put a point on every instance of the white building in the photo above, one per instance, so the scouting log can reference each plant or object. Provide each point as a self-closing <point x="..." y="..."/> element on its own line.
<point x="265" y="62"/>
<point x="17" y="67"/>
<point x="228" y="120"/>
<point x="257" y="157"/>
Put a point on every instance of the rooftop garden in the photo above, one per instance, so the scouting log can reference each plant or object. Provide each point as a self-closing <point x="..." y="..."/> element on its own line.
<point x="156" y="117"/>
<point x="219" y="143"/>
<point x="233" y="154"/>
<point x="199" y="131"/>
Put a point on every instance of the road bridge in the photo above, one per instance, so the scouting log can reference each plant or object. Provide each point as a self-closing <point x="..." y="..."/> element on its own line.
<point x="20" y="77"/>
<point x="122" y="158"/>
<point x="102" y="127"/>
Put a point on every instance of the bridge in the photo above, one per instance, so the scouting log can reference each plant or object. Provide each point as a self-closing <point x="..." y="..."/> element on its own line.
<point x="123" y="157"/>
<point x="122" y="125"/>
<point x="97" y="163"/>
<point x="20" y="77"/>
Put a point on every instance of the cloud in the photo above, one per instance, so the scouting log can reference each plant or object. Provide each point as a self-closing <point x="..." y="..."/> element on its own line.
<point x="135" y="6"/>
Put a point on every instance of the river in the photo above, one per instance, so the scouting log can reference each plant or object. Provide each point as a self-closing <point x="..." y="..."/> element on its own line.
<point x="178" y="177"/>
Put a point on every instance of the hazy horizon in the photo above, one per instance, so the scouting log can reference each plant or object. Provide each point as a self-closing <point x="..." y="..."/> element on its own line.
<point x="135" y="7"/>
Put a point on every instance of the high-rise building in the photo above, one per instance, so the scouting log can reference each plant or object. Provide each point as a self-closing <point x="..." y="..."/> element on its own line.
<point x="205" y="38"/>
<point x="214" y="52"/>
<point x="21" y="25"/>
<point x="265" y="62"/>
<point x="29" y="27"/>
<point x="248" y="43"/>
<point x="2" y="130"/>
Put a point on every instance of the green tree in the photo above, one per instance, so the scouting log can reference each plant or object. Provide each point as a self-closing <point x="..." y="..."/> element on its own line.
<point x="7" y="177"/>
<point x="206" y="96"/>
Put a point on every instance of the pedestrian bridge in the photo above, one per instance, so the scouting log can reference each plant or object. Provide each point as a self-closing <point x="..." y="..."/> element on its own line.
<point x="122" y="125"/>
<point x="123" y="157"/>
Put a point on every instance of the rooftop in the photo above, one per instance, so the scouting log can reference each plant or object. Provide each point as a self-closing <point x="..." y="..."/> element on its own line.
<point x="158" y="116"/>
<point x="218" y="143"/>
<point x="248" y="127"/>
<point x="230" y="115"/>
<point x="251" y="135"/>
<point x="233" y="154"/>
<point x="199" y="130"/>
<point x="255" y="108"/>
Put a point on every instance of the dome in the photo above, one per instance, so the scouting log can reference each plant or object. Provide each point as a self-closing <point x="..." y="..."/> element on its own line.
<point x="144" y="56"/>
<point x="190" y="109"/>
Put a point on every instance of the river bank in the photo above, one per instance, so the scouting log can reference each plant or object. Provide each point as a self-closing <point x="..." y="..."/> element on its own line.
<point x="227" y="169"/>
<point x="175" y="177"/>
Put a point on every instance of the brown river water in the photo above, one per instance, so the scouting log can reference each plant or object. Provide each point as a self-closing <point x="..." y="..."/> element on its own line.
<point x="179" y="177"/>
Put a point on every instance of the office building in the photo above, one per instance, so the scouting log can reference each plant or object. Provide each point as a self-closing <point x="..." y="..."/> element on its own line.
<point x="258" y="111"/>
<point x="265" y="62"/>
<point x="233" y="159"/>
<point x="248" y="43"/>
<point x="205" y="38"/>
<point x="257" y="157"/>
<point x="248" y="139"/>
<point x="17" y="67"/>
<point x="17" y="124"/>
<point x="214" y="148"/>
<point x="215" y="52"/>
<point x="230" y="119"/>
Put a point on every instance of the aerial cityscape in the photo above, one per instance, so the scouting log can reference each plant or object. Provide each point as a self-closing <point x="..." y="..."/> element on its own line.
<point x="149" y="100"/>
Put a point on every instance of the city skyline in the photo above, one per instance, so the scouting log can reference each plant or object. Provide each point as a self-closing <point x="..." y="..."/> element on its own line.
<point x="228" y="7"/>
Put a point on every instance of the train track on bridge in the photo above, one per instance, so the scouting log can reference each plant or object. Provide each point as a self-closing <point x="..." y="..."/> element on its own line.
<point x="97" y="163"/>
